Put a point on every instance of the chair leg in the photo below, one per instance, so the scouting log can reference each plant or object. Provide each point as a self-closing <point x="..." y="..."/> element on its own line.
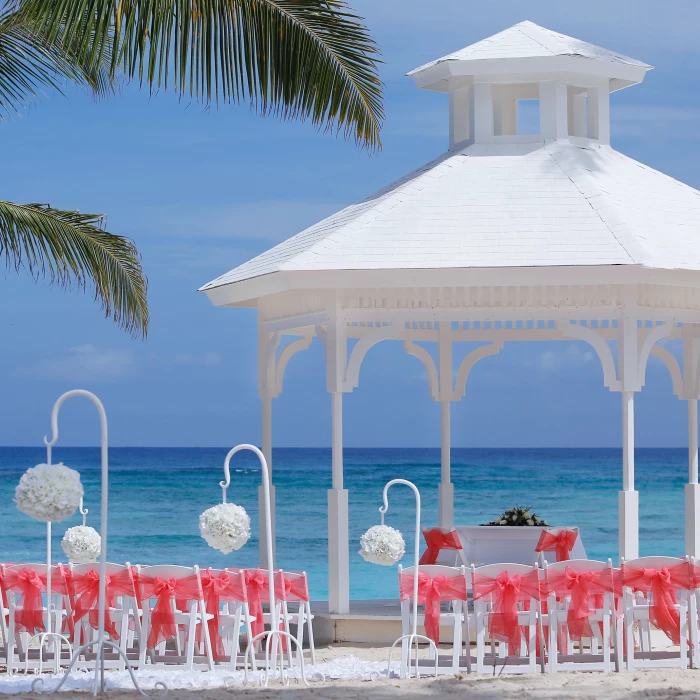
<point x="207" y="638"/>
<point x="310" y="628"/>
<point x="143" y="636"/>
<point x="457" y="639"/>
<point x="191" y="634"/>
<point x="693" y="623"/>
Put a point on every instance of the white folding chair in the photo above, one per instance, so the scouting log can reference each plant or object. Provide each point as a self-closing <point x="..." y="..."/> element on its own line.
<point x="637" y="614"/>
<point x="187" y="622"/>
<point x="234" y="617"/>
<point x="502" y="658"/>
<point x="18" y="650"/>
<point x="295" y="609"/>
<point x="456" y="616"/>
<point x="560" y="648"/>
<point x="124" y="614"/>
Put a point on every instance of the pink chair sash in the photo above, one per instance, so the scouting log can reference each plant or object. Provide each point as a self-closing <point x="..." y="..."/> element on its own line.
<point x="165" y="591"/>
<point x="436" y="540"/>
<point x="431" y="592"/>
<point x="561" y="542"/>
<point x="29" y="615"/>
<point x="257" y="584"/>
<point x="226" y="586"/>
<point x="86" y="591"/>
<point x="585" y="590"/>
<point x="664" y="585"/>
<point x="505" y="592"/>
<point x="291" y="589"/>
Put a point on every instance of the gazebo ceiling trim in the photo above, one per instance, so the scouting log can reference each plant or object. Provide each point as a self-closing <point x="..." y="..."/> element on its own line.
<point x="414" y="283"/>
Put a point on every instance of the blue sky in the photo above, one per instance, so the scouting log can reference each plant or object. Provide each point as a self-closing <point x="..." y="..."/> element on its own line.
<point x="201" y="191"/>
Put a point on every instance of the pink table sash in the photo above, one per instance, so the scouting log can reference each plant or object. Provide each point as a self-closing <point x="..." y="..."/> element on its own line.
<point x="561" y="542"/>
<point x="436" y="540"/>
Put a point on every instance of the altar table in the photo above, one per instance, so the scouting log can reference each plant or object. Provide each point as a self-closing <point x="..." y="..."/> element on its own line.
<point x="501" y="544"/>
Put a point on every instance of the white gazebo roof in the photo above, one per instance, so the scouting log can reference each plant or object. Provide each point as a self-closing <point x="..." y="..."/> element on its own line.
<point x="504" y="206"/>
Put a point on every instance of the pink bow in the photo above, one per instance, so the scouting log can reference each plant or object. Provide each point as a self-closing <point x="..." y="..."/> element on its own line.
<point x="163" y="624"/>
<point x="225" y="586"/>
<point x="664" y="585"/>
<point x="586" y="590"/>
<point x="561" y="542"/>
<point x="431" y="592"/>
<point x="86" y="590"/>
<point x="258" y="586"/>
<point x="505" y="592"/>
<point x="30" y="585"/>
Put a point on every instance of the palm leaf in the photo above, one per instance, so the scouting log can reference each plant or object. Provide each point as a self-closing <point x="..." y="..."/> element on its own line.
<point x="298" y="59"/>
<point x="70" y="248"/>
<point x="29" y="62"/>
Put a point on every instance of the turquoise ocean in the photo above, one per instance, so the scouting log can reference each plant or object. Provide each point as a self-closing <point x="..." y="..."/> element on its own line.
<point x="157" y="494"/>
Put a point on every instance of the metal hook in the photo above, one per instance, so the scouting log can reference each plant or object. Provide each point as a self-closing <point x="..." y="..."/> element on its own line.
<point x="83" y="511"/>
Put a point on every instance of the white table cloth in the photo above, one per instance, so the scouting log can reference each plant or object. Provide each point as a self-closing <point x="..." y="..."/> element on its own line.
<point x="502" y="545"/>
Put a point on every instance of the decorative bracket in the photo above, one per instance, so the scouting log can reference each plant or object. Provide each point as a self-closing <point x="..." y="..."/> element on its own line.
<point x="424" y="356"/>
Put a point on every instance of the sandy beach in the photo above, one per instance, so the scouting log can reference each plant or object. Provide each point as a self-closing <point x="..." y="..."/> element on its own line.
<point x="656" y="684"/>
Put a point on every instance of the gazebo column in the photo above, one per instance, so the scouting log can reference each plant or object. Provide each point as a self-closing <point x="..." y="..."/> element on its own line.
<point x="338" y="521"/>
<point x="267" y="451"/>
<point x="446" y="489"/>
<point x="691" y="354"/>
<point x="446" y="498"/>
<point x="692" y="488"/>
<point x="628" y="498"/>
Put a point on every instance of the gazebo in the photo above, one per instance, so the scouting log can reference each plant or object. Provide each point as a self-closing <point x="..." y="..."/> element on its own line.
<point x="508" y="236"/>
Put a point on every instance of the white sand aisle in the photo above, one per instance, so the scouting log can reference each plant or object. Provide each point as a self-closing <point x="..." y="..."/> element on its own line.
<point x="359" y="661"/>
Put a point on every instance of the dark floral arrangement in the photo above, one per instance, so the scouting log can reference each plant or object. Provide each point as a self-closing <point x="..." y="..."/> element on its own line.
<point x="517" y="516"/>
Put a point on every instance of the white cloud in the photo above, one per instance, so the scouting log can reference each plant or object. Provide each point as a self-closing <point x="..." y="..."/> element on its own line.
<point x="208" y="359"/>
<point x="551" y="361"/>
<point x="89" y="363"/>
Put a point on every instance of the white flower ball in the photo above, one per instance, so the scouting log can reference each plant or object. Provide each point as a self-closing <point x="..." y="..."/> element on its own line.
<point x="49" y="493"/>
<point x="382" y="545"/>
<point x="530" y="522"/>
<point x="82" y="544"/>
<point x="225" y="527"/>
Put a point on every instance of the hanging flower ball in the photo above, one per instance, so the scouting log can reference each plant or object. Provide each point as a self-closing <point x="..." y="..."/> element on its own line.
<point x="382" y="545"/>
<point x="225" y="527"/>
<point x="49" y="493"/>
<point x="82" y="544"/>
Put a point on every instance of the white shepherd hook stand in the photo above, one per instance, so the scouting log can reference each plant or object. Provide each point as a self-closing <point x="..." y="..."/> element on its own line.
<point x="413" y="638"/>
<point x="98" y="684"/>
<point x="273" y="636"/>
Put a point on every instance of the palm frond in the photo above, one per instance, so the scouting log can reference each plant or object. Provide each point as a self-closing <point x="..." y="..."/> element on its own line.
<point x="70" y="248"/>
<point x="295" y="58"/>
<point x="29" y="63"/>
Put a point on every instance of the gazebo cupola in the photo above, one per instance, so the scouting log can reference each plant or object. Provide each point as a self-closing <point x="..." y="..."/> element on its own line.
<point x="488" y="82"/>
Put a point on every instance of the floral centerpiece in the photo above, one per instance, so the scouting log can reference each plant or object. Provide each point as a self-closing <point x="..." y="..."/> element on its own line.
<point x="517" y="516"/>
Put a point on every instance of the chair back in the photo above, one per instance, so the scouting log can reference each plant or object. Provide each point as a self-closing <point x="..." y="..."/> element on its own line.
<point x="292" y="586"/>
